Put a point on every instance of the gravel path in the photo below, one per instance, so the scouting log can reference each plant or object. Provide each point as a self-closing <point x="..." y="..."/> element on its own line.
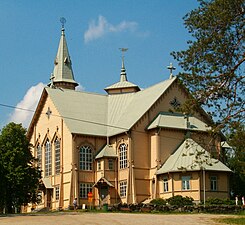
<point x="111" y="219"/>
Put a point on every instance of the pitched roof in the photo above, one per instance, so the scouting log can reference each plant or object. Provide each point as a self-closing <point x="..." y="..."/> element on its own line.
<point x="83" y="113"/>
<point x="178" y="121"/>
<point x="104" y="115"/>
<point x="190" y="156"/>
<point x="106" y="151"/>
<point x="124" y="110"/>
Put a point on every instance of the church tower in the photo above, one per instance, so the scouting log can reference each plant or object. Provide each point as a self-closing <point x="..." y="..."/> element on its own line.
<point x="123" y="86"/>
<point x="62" y="76"/>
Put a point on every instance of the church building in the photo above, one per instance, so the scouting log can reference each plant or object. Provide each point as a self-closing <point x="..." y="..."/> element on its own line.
<point x="125" y="146"/>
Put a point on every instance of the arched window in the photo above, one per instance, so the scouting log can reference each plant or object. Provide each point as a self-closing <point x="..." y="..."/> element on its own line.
<point x="57" y="155"/>
<point x="39" y="156"/>
<point x="86" y="157"/>
<point x="48" y="159"/>
<point x="123" y="158"/>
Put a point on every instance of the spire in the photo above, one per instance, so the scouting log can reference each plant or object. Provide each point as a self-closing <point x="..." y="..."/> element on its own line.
<point x="123" y="86"/>
<point x="62" y="75"/>
<point x="123" y="76"/>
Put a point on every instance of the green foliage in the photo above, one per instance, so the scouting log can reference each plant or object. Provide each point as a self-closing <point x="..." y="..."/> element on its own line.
<point x="236" y="159"/>
<point x="180" y="201"/>
<point x="19" y="178"/>
<point x="213" y="63"/>
<point x="218" y="201"/>
<point x="158" y="201"/>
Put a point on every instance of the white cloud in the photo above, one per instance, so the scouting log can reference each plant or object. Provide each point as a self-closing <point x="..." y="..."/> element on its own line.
<point x="80" y="88"/>
<point x="103" y="27"/>
<point x="29" y="102"/>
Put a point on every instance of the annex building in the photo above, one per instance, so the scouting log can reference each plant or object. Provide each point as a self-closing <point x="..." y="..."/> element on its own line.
<point x="127" y="145"/>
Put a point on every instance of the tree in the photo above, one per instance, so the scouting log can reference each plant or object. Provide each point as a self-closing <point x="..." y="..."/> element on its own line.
<point x="213" y="63"/>
<point x="19" y="178"/>
<point x="236" y="159"/>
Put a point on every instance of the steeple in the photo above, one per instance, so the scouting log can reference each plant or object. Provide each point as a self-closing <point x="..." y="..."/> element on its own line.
<point x="123" y="86"/>
<point x="62" y="75"/>
<point x="123" y="76"/>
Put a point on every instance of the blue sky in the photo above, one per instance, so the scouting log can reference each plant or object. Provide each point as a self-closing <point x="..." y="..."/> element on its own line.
<point x="95" y="30"/>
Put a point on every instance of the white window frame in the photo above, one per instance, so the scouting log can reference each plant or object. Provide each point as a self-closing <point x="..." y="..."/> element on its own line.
<point x="57" y="156"/>
<point x="57" y="192"/>
<point x="85" y="188"/>
<point x="48" y="158"/>
<point x="123" y="188"/>
<point x="213" y="183"/>
<point x="165" y="184"/>
<point x="86" y="158"/>
<point x="186" y="183"/>
<point x="123" y="157"/>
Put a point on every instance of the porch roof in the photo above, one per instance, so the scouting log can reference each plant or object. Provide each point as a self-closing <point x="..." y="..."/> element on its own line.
<point x="178" y="121"/>
<point x="103" y="180"/>
<point x="47" y="183"/>
<point x="190" y="156"/>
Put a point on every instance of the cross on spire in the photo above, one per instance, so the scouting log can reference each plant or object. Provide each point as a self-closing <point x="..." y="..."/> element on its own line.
<point x="63" y="21"/>
<point x="171" y="68"/>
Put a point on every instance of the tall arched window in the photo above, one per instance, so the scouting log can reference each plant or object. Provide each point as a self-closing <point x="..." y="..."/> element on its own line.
<point x="57" y="155"/>
<point x="39" y="156"/>
<point x="48" y="159"/>
<point x="123" y="158"/>
<point x="86" y="157"/>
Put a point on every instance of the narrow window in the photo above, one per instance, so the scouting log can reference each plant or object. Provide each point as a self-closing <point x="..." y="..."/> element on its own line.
<point x="86" y="158"/>
<point x="99" y="165"/>
<point x="57" y="156"/>
<point x="39" y="156"/>
<point x="186" y="183"/>
<point x="48" y="160"/>
<point x="165" y="184"/>
<point x="123" y="189"/>
<point x="85" y="188"/>
<point x="123" y="159"/>
<point x="110" y="164"/>
<point x="57" y="193"/>
<point x="213" y="183"/>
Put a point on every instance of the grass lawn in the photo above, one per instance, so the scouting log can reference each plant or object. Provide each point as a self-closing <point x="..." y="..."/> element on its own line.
<point x="238" y="220"/>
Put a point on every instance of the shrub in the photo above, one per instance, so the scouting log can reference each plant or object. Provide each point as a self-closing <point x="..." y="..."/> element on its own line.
<point x="218" y="201"/>
<point x="180" y="201"/>
<point x="158" y="201"/>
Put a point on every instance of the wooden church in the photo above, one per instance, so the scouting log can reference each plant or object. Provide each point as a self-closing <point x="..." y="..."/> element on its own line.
<point x="127" y="145"/>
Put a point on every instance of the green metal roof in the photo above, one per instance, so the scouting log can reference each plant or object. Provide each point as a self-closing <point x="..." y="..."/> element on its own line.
<point x="190" y="156"/>
<point x="104" y="115"/>
<point x="62" y="64"/>
<point x="83" y="113"/>
<point x="178" y="121"/>
<point x="106" y="151"/>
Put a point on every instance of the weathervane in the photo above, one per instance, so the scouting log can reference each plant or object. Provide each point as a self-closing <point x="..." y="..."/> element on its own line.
<point x="171" y="68"/>
<point x="63" y="21"/>
<point x="123" y="50"/>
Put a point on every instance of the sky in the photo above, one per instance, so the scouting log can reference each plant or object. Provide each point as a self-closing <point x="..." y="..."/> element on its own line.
<point x="95" y="30"/>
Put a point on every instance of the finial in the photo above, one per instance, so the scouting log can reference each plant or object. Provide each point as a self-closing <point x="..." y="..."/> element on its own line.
<point x="63" y="21"/>
<point x="171" y="68"/>
<point x="123" y="50"/>
<point x="123" y="71"/>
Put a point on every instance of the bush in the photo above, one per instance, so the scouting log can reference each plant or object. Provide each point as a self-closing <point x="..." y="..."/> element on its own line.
<point x="180" y="201"/>
<point x="218" y="201"/>
<point x="158" y="201"/>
